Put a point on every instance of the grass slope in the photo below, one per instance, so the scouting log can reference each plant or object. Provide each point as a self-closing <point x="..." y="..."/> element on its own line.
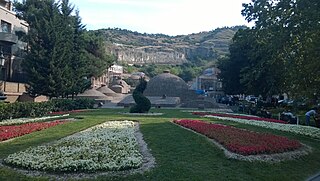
<point x="179" y="153"/>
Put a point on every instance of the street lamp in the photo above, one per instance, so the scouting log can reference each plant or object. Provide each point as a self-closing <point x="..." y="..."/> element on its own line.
<point x="2" y="59"/>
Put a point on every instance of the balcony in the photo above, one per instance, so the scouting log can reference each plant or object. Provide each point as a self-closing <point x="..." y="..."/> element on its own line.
<point x="8" y="38"/>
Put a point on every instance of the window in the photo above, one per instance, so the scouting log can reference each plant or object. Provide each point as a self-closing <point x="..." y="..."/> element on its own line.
<point x="5" y="27"/>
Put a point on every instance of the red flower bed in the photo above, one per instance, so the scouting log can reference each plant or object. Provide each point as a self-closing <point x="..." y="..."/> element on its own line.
<point x="7" y="132"/>
<point x="241" y="141"/>
<point x="68" y="112"/>
<point x="240" y="117"/>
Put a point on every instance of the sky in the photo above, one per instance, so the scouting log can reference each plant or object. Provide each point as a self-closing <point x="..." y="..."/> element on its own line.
<point x="170" y="17"/>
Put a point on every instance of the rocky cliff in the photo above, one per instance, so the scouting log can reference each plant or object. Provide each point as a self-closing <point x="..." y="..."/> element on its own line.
<point x="137" y="48"/>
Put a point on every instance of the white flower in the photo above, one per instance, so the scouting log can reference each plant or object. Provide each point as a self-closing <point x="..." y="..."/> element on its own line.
<point x="29" y="120"/>
<point x="298" y="129"/>
<point x="108" y="146"/>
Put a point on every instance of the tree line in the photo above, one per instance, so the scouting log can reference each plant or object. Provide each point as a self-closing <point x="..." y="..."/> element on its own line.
<point x="280" y="54"/>
<point x="62" y="55"/>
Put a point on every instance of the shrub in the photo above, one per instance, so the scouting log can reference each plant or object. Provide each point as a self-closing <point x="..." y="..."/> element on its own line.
<point x="143" y="104"/>
<point x="37" y="109"/>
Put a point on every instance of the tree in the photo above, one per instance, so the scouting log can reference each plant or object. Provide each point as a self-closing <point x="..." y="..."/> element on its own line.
<point x="61" y="57"/>
<point x="296" y="24"/>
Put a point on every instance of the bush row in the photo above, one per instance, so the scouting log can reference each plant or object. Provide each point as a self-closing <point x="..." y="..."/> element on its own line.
<point x="37" y="109"/>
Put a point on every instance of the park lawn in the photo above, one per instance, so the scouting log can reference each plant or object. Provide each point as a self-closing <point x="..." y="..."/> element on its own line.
<point x="180" y="154"/>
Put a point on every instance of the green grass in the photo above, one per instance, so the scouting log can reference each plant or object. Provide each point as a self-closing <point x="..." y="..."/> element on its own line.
<point x="179" y="153"/>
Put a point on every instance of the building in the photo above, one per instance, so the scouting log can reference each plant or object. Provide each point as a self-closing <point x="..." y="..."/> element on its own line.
<point x="11" y="52"/>
<point x="113" y="72"/>
<point x="209" y="82"/>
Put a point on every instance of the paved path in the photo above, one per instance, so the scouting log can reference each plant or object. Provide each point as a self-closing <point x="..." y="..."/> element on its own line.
<point x="314" y="178"/>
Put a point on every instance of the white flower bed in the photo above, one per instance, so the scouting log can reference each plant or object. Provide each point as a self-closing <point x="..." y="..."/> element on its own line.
<point x="298" y="129"/>
<point x="107" y="147"/>
<point x="29" y="120"/>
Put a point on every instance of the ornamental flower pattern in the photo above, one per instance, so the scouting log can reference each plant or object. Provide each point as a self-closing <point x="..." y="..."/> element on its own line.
<point x="254" y="118"/>
<point x="110" y="146"/>
<point x="8" y="132"/>
<point x="241" y="141"/>
<point x="297" y="129"/>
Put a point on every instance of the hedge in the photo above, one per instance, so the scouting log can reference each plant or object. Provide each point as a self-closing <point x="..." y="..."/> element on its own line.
<point x="38" y="109"/>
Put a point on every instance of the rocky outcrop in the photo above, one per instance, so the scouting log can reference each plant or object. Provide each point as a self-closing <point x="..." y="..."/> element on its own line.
<point x="147" y="54"/>
<point x="136" y="48"/>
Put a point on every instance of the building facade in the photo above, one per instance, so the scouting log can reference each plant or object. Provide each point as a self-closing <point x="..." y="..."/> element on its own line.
<point x="209" y="82"/>
<point x="12" y="51"/>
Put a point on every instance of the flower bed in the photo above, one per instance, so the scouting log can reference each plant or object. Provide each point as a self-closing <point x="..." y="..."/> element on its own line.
<point x="297" y="129"/>
<point x="109" y="146"/>
<point x="8" y="132"/>
<point x="254" y="118"/>
<point x="242" y="141"/>
<point x="29" y="120"/>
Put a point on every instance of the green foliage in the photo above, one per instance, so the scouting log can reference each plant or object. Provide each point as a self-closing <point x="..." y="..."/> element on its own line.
<point x="186" y="71"/>
<point x="68" y="104"/>
<point x="35" y="109"/>
<point x="279" y="53"/>
<point x="61" y="58"/>
<point x="143" y="104"/>
<point x="24" y="109"/>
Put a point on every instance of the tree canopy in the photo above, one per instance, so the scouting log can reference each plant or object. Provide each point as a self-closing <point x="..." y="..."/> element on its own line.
<point x="61" y="55"/>
<point x="279" y="54"/>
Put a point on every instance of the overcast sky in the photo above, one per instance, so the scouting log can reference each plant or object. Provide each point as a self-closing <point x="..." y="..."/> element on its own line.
<point x="171" y="17"/>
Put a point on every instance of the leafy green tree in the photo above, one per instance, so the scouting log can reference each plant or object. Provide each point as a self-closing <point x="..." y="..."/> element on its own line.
<point x="296" y="24"/>
<point x="253" y="66"/>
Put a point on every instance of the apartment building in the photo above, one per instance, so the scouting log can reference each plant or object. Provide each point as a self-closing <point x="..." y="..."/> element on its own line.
<point x="11" y="51"/>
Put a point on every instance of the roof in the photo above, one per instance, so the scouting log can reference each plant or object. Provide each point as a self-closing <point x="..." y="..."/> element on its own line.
<point x="166" y="84"/>
<point x="93" y="94"/>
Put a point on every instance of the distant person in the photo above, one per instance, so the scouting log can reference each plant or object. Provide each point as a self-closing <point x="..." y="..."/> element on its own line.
<point x="310" y="113"/>
<point x="289" y="117"/>
<point x="100" y="104"/>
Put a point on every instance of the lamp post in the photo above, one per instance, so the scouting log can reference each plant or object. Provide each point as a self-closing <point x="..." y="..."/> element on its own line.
<point x="2" y="61"/>
<point x="2" y="64"/>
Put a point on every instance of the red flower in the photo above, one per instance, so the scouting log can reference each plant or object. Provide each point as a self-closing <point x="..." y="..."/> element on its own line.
<point x="8" y="132"/>
<point x="241" y="141"/>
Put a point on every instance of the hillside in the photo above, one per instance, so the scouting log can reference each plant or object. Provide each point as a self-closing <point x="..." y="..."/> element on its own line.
<point x="137" y="48"/>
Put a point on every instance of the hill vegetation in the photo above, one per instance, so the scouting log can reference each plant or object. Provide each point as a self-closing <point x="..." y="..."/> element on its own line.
<point x="184" y="55"/>
<point x="193" y="47"/>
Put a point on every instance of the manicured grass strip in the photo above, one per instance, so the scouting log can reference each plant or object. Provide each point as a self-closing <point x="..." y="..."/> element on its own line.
<point x="242" y="141"/>
<point x="109" y="146"/>
<point x="8" y="132"/>
<point x="253" y="118"/>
